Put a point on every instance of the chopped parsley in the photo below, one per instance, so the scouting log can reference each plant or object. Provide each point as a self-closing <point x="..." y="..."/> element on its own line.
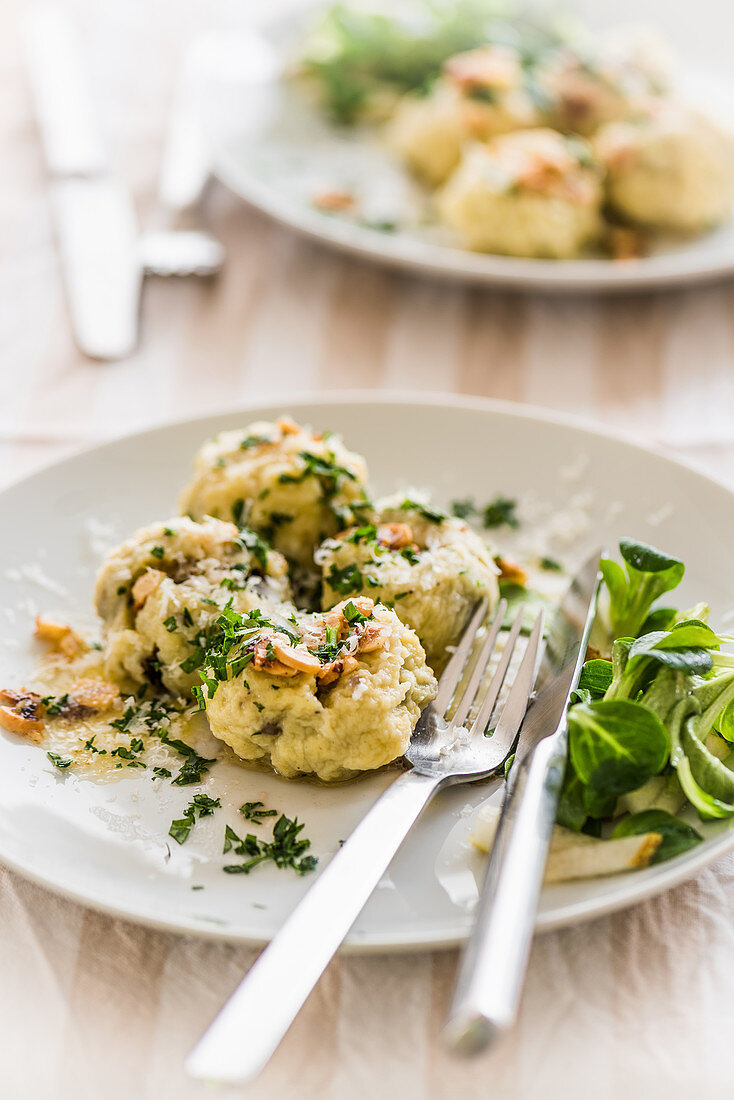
<point x="237" y="509"/>
<point x="122" y="590"/>
<point x="249" y="441"/>
<point x="180" y="829"/>
<point x="162" y="773"/>
<point x="200" y="806"/>
<point x="158" y="552"/>
<point x="55" y="706"/>
<point x="345" y="580"/>
<point x="464" y="509"/>
<point x="368" y="533"/>
<point x="410" y="554"/>
<point x="286" y="849"/>
<point x="326" y="469"/>
<point x="194" y="766"/>
<point x="170" y="532"/>
<point x="170" y="624"/>
<point x="551" y="565"/>
<point x="257" y="546"/>
<point x="353" y="615"/>
<point x="91" y="747"/>
<point x="499" y="512"/>
<point x="59" y="761"/>
<point x="254" y="811"/>
<point x="232" y="584"/>
<point x="129" y="755"/>
<point x="431" y="514"/>
<point x="123" y="723"/>
<point x="206" y="805"/>
<point x="192" y="770"/>
<point x="230" y="839"/>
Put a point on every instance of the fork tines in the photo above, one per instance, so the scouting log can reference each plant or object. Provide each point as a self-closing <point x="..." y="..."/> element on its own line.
<point x="469" y="664"/>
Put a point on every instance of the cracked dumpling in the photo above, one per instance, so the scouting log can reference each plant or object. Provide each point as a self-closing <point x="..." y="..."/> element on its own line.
<point x="672" y="169"/>
<point x="328" y="695"/>
<point x="293" y="487"/>
<point x="480" y="94"/>
<point x="531" y="193"/>
<point x="166" y="585"/>
<point x="431" y="568"/>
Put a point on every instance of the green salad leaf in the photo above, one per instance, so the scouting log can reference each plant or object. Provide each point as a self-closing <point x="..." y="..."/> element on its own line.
<point x="650" y="726"/>
<point x="677" y="835"/>
<point x="594" y="681"/>
<point x="354" y="54"/>
<point x="633" y="588"/>
<point x="614" y="746"/>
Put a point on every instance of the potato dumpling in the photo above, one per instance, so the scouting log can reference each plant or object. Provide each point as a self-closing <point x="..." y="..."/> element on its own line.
<point x="602" y="80"/>
<point x="532" y="193"/>
<point x="672" y="170"/>
<point x="431" y="568"/>
<point x="480" y="94"/>
<point x="159" y="590"/>
<point x="328" y="695"/>
<point x="293" y="487"/>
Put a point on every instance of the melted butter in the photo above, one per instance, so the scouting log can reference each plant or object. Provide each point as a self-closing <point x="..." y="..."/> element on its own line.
<point x="69" y="737"/>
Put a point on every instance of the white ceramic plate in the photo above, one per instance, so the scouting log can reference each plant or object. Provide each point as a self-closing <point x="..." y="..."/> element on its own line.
<point x="107" y="844"/>
<point x="277" y="151"/>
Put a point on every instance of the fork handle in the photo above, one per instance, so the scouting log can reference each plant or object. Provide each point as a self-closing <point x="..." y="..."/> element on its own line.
<point x="493" y="967"/>
<point x="252" y="1023"/>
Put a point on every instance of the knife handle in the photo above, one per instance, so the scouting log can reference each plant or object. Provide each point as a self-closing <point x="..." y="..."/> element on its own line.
<point x="493" y="967"/>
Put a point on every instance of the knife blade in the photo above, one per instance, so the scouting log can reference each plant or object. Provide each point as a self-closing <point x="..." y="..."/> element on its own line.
<point x="566" y="640"/>
<point x="493" y="966"/>
<point x="93" y="214"/>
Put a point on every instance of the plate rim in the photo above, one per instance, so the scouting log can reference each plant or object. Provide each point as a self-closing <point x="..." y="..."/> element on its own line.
<point x="437" y="939"/>
<point x="514" y="273"/>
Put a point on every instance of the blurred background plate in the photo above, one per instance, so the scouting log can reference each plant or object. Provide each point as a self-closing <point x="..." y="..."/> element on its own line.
<point x="277" y="150"/>
<point x="107" y="844"/>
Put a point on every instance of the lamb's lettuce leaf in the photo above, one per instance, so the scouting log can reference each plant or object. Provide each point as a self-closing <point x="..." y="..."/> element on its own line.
<point x="678" y="836"/>
<point x="633" y="588"/>
<point x="614" y="746"/>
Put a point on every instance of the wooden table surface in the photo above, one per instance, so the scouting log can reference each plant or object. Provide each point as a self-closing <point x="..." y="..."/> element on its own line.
<point x="91" y="1008"/>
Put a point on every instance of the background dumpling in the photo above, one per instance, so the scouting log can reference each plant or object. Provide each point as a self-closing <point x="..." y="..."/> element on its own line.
<point x="671" y="169"/>
<point x="481" y="93"/>
<point x="531" y="193"/>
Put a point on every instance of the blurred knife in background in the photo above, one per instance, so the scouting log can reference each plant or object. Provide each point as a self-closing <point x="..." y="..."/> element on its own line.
<point x="103" y="255"/>
<point x="94" y="214"/>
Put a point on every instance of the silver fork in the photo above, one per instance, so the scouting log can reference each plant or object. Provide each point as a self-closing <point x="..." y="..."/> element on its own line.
<point x="443" y="750"/>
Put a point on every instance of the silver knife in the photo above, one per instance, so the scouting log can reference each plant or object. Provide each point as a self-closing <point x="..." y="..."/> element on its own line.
<point x="94" y="215"/>
<point x="493" y="966"/>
